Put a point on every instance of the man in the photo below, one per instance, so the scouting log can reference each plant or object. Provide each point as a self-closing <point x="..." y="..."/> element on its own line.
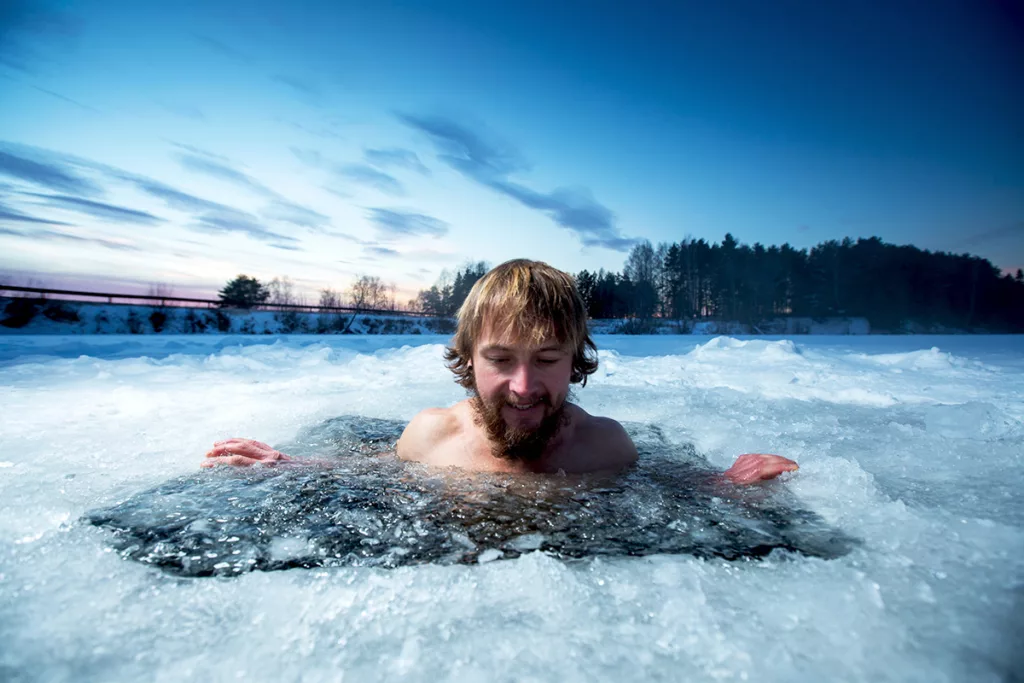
<point x="522" y="340"/>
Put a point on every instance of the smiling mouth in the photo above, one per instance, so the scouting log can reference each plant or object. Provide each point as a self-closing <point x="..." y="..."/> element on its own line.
<point x="523" y="406"/>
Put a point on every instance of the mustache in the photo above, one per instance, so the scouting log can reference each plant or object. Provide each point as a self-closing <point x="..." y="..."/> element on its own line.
<point x="511" y="399"/>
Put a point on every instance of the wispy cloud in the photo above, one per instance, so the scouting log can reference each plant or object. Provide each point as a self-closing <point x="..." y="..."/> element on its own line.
<point x="392" y="223"/>
<point x="13" y="215"/>
<point x="310" y="157"/>
<point x="47" y="235"/>
<point x="109" y="212"/>
<point x="395" y="157"/>
<point x="353" y="238"/>
<point x="289" y="212"/>
<point x="341" y="194"/>
<point x="199" y="151"/>
<point x="491" y="165"/>
<point x="173" y="198"/>
<point x="208" y="216"/>
<point x="30" y="32"/>
<point x="46" y="91"/>
<point x="326" y="131"/>
<point x="221" y="170"/>
<point x="231" y="220"/>
<point x="47" y="174"/>
<point x="56" y="171"/>
<point x="382" y="251"/>
<point x="371" y="177"/>
<point x="301" y="87"/>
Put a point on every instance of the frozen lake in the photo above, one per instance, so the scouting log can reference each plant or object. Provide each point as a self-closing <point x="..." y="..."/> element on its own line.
<point x="911" y="444"/>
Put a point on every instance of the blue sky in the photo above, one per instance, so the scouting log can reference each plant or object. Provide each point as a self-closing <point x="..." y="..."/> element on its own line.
<point x="185" y="143"/>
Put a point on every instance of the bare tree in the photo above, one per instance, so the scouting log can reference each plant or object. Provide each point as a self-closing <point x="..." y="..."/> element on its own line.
<point x="282" y="291"/>
<point x="162" y="291"/>
<point x="370" y="292"/>
<point x="332" y="320"/>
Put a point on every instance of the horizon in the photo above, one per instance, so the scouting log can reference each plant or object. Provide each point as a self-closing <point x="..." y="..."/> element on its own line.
<point x="184" y="146"/>
<point x="401" y="302"/>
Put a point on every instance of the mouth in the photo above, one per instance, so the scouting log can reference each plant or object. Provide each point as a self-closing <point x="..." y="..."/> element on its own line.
<point x="522" y="406"/>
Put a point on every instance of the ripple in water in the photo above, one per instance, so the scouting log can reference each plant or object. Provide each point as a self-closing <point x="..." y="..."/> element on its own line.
<point x="369" y="509"/>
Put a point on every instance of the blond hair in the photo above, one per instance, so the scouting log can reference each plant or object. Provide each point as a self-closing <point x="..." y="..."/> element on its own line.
<point x="528" y="301"/>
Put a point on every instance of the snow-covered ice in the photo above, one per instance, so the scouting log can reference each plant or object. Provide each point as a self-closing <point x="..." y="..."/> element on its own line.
<point x="911" y="444"/>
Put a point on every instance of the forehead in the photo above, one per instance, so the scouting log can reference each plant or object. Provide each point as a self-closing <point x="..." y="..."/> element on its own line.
<point x="511" y="337"/>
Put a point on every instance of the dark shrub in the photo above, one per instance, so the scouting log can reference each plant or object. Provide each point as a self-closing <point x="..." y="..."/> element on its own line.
<point x="440" y="325"/>
<point x="291" y="321"/>
<point x="61" y="313"/>
<point x="638" y="326"/>
<point x="223" y="321"/>
<point x="20" y="311"/>
<point x="193" y="324"/>
<point x="133" y="322"/>
<point x="158" y="319"/>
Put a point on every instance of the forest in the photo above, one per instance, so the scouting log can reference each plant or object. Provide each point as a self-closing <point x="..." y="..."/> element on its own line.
<point x="893" y="286"/>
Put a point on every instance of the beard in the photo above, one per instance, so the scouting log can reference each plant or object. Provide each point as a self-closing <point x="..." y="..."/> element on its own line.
<point x="517" y="443"/>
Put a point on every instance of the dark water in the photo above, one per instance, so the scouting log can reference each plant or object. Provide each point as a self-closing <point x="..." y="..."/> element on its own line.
<point x="367" y="508"/>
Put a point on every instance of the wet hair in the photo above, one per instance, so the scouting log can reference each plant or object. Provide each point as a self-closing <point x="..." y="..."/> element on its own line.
<point x="523" y="301"/>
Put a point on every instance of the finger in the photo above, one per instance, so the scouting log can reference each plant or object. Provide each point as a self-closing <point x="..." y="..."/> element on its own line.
<point x="238" y="441"/>
<point x="770" y="471"/>
<point x="234" y="460"/>
<point x="783" y="464"/>
<point x="238" y="449"/>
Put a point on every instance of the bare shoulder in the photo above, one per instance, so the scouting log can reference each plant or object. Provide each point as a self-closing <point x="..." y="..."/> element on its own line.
<point x="607" y="441"/>
<point x="429" y="428"/>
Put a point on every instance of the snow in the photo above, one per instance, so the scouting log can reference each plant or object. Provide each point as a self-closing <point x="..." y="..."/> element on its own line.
<point x="73" y="317"/>
<point x="911" y="444"/>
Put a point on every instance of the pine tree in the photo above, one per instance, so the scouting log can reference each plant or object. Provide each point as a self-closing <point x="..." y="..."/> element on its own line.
<point x="243" y="292"/>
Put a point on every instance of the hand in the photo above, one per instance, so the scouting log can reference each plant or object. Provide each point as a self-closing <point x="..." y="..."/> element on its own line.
<point x="242" y="452"/>
<point x="753" y="467"/>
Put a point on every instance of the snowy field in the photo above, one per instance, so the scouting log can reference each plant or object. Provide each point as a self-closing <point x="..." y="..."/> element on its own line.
<point x="911" y="444"/>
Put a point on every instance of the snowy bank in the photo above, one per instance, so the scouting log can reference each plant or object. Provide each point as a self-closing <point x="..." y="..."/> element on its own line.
<point x="36" y="316"/>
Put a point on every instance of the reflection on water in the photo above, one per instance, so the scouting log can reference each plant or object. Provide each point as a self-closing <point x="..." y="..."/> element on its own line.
<point x="370" y="509"/>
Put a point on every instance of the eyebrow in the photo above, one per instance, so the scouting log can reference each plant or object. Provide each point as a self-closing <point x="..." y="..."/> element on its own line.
<point x="490" y="348"/>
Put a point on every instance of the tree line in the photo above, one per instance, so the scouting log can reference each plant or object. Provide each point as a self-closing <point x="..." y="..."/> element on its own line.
<point x="889" y="285"/>
<point x="693" y="279"/>
<point x="367" y="292"/>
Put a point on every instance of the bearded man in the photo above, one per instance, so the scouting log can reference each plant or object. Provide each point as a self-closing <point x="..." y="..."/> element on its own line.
<point x="522" y="340"/>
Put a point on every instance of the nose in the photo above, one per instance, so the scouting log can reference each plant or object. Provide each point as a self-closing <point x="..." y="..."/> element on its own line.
<point x="522" y="380"/>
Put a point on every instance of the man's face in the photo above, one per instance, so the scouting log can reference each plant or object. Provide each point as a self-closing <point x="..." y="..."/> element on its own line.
<point x="521" y="392"/>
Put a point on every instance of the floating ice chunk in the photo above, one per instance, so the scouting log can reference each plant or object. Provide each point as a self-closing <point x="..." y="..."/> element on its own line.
<point x="489" y="555"/>
<point x="285" y="548"/>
